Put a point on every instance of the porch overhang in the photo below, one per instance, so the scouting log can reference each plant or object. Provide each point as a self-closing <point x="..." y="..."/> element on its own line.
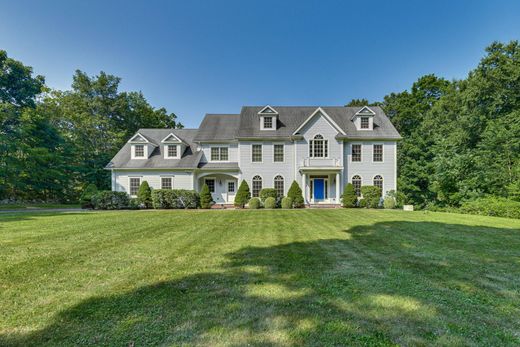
<point x="321" y="168"/>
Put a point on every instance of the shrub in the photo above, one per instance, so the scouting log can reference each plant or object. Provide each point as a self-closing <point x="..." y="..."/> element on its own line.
<point x="86" y="196"/>
<point x="144" y="195"/>
<point x="295" y="193"/>
<point x="266" y="193"/>
<point x="243" y="195"/>
<point x="492" y="206"/>
<point x="254" y="203"/>
<point x="162" y="198"/>
<point x="108" y="200"/>
<point x="398" y="197"/>
<point x="349" y="197"/>
<point x="372" y="195"/>
<point x="206" y="199"/>
<point x="176" y="198"/>
<point x="134" y="204"/>
<point x="362" y="203"/>
<point x="270" y="202"/>
<point x="287" y="203"/>
<point x="389" y="203"/>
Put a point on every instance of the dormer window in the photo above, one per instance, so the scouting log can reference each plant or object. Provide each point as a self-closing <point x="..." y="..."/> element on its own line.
<point x="268" y="122"/>
<point x="365" y="123"/>
<point x="268" y="118"/>
<point x="172" y="151"/>
<point x="139" y="151"/>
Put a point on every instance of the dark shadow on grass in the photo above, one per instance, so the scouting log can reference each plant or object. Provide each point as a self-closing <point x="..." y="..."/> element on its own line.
<point x="424" y="285"/>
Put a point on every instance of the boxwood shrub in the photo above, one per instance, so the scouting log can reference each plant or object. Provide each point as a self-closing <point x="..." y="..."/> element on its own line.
<point x="108" y="200"/>
<point x="270" y="202"/>
<point x="254" y="203"/>
<point x="267" y="193"/>
<point x="287" y="203"/>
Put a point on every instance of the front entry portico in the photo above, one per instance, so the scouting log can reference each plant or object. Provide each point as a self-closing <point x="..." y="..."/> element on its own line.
<point x="320" y="186"/>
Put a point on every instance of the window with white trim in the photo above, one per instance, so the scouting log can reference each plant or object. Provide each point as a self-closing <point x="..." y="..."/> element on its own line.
<point x="378" y="153"/>
<point x="256" y="184"/>
<point x="256" y="153"/>
<point x="139" y="151"/>
<point x="318" y="147"/>
<point x="278" y="153"/>
<point x="219" y="154"/>
<point x="166" y="182"/>
<point x="356" y="152"/>
<point x="365" y="122"/>
<point x="356" y="182"/>
<point x="279" y="186"/>
<point x="231" y="186"/>
<point x="172" y="151"/>
<point x="135" y="183"/>
<point x="268" y="122"/>
<point x="378" y="182"/>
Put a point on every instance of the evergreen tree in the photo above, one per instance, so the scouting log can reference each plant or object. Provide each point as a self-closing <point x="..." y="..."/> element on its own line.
<point x="295" y="193"/>
<point x="243" y="195"/>
<point x="144" y="195"/>
<point x="349" y="198"/>
<point x="206" y="200"/>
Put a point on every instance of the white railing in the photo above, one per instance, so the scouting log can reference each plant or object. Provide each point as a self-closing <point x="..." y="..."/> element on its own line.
<point x="319" y="162"/>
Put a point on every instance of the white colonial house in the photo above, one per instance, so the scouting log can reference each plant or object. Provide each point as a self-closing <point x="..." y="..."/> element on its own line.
<point x="322" y="148"/>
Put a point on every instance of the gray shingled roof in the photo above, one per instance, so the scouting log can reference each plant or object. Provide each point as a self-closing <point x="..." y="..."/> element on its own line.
<point x="189" y="159"/>
<point x="291" y="117"/>
<point x="218" y="127"/>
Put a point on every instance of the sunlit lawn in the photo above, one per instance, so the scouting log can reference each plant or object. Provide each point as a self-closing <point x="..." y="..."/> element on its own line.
<point x="306" y="277"/>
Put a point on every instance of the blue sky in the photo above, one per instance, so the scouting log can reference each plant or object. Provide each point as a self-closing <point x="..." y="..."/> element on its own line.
<point x="196" y="57"/>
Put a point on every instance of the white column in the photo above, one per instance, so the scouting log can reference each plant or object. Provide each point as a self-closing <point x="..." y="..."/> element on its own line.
<point x="337" y="188"/>
<point x="304" y="191"/>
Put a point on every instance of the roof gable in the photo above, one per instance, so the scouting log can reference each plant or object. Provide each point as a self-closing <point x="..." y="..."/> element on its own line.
<point x="172" y="138"/>
<point x="268" y="110"/>
<point x="139" y="138"/>
<point x="320" y="111"/>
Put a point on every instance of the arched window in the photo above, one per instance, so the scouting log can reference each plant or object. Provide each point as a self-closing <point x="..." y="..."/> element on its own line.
<point x="278" y="185"/>
<point x="257" y="186"/>
<point x="356" y="182"/>
<point x="318" y="147"/>
<point x="378" y="182"/>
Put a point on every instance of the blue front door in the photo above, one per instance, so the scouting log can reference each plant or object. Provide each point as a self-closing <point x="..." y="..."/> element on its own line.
<point x="319" y="189"/>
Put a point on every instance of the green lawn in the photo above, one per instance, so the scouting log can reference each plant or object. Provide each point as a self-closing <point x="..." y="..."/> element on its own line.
<point x="301" y="277"/>
<point x="35" y="206"/>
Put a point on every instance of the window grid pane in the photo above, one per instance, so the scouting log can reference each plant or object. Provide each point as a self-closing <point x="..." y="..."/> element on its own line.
<point x="278" y="153"/>
<point x="257" y="186"/>
<point x="215" y="153"/>
<point x="256" y="153"/>
<point x="356" y="152"/>
<point x="172" y="150"/>
<point x="134" y="185"/>
<point x="278" y="186"/>
<point x="378" y="182"/>
<point x="211" y="185"/>
<point x="223" y="153"/>
<point x="166" y="183"/>
<point x="356" y="182"/>
<point x="231" y="187"/>
<point x="365" y="123"/>
<point x="378" y="152"/>
<point x="268" y="122"/>
<point x="139" y="150"/>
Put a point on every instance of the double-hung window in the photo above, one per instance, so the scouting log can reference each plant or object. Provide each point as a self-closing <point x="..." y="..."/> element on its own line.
<point x="378" y="153"/>
<point x="166" y="182"/>
<point x="134" y="183"/>
<point x="172" y="151"/>
<point x="219" y="154"/>
<point x="365" y="123"/>
<point x="278" y="153"/>
<point x="256" y="153"/>
<point x="139" y="151"/>
<point x="268" y="122"/>
<point x="356" y="152"/>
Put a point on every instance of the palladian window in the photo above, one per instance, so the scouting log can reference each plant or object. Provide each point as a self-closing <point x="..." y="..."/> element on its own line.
<point x="318" y="147"/>
<point x="257" y="186"/>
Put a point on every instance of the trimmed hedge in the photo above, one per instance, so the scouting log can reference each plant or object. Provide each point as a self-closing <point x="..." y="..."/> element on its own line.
<point x="372" y="195"/>
<point x="108" y="200"/>
<point x="270" y="202"/>
<point x="492" y="206"/>
<point x="254" y="203"/>
<point x="349" y="197"/>
<point x="287" y="203"/>
<point x="362" y="203"/>
<point x="174" y="198"/>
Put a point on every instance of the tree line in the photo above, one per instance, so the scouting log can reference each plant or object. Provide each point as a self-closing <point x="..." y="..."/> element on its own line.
<point x="461" y="138"/>
<point x="54" y="143"/>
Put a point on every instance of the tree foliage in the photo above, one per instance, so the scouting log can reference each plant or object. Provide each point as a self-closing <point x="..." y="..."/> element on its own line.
<point x="296" y="194"/>
<point x="349" y="198"/>
<point x="144" y="195"/>
<point x="243" y="195"/>
<point x="205" y="197"/>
